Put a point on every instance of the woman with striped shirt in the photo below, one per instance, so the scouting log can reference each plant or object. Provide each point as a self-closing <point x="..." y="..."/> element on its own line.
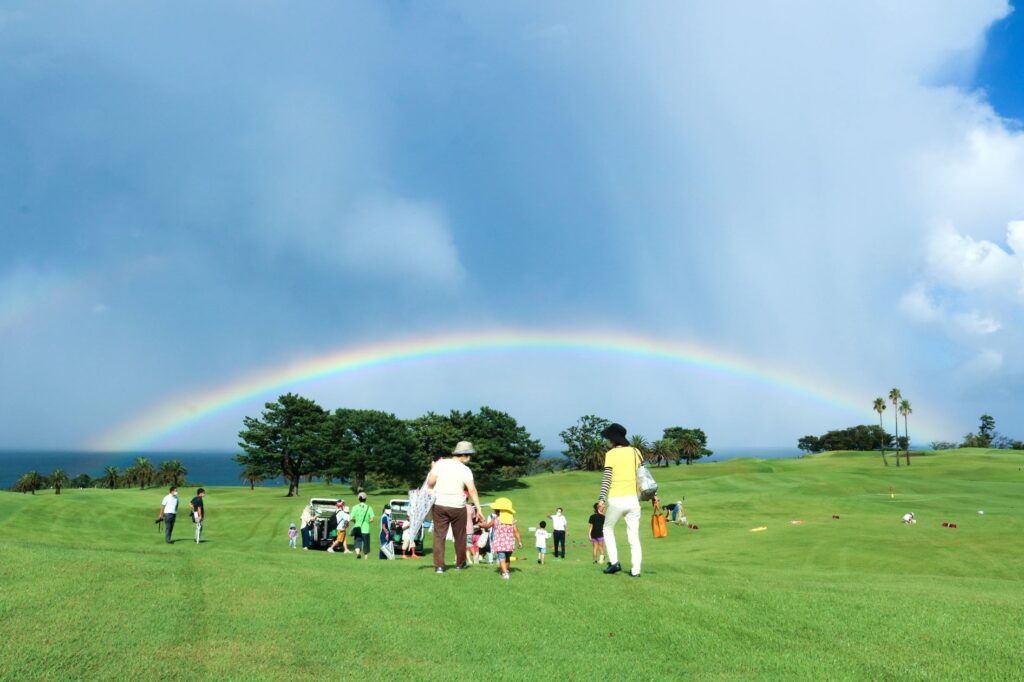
<point x="619" y="498"/>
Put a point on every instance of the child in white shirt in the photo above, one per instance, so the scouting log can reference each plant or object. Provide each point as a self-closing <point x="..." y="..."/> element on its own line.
<point x="542" y="541"/>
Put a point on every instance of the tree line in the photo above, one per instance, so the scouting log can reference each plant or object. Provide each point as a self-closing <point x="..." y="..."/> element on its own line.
<point x="142" y="473"/>
<point x="862" y="437"/>
<point x="876" y="437"/>
<point x="585" y="448"/>
<point x="869" y="437"/>
<point x="986" y="437"/>
<point x="296" y="438"/>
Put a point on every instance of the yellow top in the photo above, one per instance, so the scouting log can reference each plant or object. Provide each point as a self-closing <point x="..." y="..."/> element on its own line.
<point x="623" y="462"/>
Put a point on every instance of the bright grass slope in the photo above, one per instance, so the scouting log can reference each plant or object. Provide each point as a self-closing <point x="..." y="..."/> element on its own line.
<point x="90" y="591"/>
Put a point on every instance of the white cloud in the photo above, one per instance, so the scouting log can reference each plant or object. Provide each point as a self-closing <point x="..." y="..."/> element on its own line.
<point x="764" y="177"/>
<point x="380" y="238"/>
<point x="987" y="361"/>
<point x="919" y="305"/>
<point x="976" y="324"/>
<point x="320" y="195"/>
<point x="395" y="237"/>
<point x="968" y="264"/>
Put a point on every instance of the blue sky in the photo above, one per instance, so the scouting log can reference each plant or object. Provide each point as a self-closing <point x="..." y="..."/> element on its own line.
<point x="188" y="195"/>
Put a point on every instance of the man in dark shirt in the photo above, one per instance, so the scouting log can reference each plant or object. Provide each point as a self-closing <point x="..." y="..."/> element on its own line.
<point x="198" y="512"/>
<point x="597" y="535"/>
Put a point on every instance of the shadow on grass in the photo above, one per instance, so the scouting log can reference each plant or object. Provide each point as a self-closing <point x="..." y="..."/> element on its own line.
<point x="502" y="485"/>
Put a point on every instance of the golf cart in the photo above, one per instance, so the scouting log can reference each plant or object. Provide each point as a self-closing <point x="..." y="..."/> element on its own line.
<point x="400" y="516"/>
<point x="324" y="527"/>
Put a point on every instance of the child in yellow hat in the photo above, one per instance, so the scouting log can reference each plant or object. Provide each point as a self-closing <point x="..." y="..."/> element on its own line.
<point x="506" y="532"/>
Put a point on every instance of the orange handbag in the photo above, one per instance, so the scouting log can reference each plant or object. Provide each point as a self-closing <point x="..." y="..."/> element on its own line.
<point x="659" y="525"/>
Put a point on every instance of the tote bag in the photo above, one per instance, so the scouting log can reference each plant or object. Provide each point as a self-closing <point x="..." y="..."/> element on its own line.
<point x="645" y="483"/>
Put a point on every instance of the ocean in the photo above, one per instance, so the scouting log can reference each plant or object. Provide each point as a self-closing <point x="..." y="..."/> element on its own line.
<point x="204" y="467"/>
<point x="218" y="468"/>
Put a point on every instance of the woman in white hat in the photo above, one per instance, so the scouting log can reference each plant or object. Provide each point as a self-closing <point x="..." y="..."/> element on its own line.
<point x="449" y="478"/>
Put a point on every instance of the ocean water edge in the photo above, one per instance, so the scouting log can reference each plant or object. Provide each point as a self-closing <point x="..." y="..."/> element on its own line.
<point x="216" y="467"/>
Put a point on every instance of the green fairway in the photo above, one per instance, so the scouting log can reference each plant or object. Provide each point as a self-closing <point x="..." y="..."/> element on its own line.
<point x="91" y="591"/>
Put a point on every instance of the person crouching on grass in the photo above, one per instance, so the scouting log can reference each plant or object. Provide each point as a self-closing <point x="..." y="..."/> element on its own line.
<point x="506" y="533"/>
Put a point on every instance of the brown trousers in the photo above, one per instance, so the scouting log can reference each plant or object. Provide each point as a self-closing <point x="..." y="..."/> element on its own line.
<point x="443" y="518"/>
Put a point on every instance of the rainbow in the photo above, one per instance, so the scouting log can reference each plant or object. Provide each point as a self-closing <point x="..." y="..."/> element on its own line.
<point x="175" y="415"/>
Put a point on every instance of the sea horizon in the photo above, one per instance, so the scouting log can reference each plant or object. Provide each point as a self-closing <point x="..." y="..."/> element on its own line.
<point x="212" y="467"/>
<point x="217" y="467"/>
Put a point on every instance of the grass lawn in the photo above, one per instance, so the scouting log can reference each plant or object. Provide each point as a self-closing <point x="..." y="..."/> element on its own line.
<point x="91" y="591"/>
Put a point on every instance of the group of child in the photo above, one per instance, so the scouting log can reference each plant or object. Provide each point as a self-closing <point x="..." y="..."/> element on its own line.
<point x="497" y="536"/>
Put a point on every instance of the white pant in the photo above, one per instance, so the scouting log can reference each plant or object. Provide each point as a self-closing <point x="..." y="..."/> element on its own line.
<point x="616" y="508"/>
<point x="199" y="529"/>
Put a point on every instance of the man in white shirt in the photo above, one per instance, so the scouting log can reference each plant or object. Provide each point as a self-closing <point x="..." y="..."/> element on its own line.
<point x="169" y="511"/>
<point x="558" y="524"/>
<point x="450" y="479"/>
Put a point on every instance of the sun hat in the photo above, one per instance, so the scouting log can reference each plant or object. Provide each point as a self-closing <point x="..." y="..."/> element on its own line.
<point x="616" y="433"/>
<point x="362" y="497"/>
<point x="463" y="447"/>
<point x="502" y="504"/>
<point x="292" y="526"/>
<point x="341" y="503"/>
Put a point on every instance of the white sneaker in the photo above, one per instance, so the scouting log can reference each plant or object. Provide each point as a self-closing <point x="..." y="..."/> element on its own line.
<point x="330" y="549"/>
<point x="439" y="570"/>
<point x="504" y="576"/>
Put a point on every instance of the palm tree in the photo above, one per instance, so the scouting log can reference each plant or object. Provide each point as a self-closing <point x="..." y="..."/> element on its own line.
<point x="163" y="473"/>
<point x="663" y="452"/>
<point x="905" y="410"/>
<point x="177" y="472"/>
<point x="172" y="472"/>
<point x="146" y="471"/>
<point x="59" y="479"/>
<point x="29" y="483"/>
<point x="111" y="477"/>
<point x="894" y="396"/>
<point x="641" y="444"/>
<point x="131" y="475"/>
<point x="880" y="408"/>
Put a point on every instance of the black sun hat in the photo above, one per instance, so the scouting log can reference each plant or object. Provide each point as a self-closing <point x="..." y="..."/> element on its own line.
<point x="616" y="433"/>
